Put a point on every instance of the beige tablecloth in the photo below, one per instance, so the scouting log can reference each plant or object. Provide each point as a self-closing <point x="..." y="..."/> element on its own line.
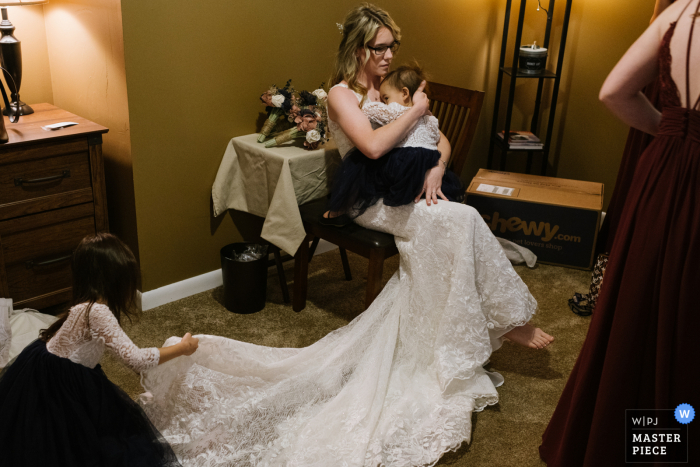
<point x="272" y="183"/>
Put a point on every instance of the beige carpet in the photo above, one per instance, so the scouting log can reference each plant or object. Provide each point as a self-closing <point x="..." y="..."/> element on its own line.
<point x="507" y="434"/>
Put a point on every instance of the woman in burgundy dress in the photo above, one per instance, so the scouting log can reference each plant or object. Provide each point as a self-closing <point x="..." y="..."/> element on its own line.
<point x="641" y="351"/>
<point x="637" y="142"/>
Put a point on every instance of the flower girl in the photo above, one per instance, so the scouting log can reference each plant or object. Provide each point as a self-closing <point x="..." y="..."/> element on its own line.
<point x="57" y="407"/>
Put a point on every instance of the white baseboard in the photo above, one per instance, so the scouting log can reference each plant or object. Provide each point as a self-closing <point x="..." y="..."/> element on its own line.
<point x="182" y="289"/>
<point x="194" y="285"/>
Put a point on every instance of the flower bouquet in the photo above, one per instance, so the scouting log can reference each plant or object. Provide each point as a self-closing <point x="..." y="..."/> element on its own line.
<point x="310" y="114"/>
<point x="278" y="102"/>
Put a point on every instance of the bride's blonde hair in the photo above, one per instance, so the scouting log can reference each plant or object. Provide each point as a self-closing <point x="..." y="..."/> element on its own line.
<point x="359" y="28"/>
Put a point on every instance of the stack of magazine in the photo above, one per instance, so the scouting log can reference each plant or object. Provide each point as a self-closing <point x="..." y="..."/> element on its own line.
<point x="523" y="140"/>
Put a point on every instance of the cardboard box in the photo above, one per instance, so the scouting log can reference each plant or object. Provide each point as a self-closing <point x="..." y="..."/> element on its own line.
<point x="556" y="218"/>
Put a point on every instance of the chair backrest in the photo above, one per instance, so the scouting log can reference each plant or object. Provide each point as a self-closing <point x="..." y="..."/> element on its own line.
<point x="458" y="111"/>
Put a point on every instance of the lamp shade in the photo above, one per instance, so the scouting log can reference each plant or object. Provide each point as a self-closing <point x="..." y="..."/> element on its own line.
<point x="22" y="2"/>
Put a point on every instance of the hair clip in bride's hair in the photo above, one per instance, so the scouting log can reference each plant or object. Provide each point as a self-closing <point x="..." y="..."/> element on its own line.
<point x="340" y="27"/>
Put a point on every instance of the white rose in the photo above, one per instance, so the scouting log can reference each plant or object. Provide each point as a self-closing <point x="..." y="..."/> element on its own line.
<point x="320" y="94"/>
<point x="313" y="136"/>
<point x="278" y="100"/>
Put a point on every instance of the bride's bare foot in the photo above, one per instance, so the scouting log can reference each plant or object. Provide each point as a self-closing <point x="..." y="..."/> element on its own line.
<point x="331" y="214"/>
<point x="529" y="336"/>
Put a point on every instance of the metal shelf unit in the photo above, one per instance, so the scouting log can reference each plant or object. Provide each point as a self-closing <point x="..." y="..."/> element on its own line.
<point x="495" y="140"/>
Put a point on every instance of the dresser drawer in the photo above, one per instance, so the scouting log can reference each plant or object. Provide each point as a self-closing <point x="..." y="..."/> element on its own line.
<point x="37" y="249"/>
<point x="45" y="236"/>
<point x="10" y="155"/>
<point x="26" y="283"/>
<point x="37" y="185"/>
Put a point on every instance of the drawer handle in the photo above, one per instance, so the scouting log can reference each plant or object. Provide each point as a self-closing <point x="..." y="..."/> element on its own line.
<point x="31" y="264"/>
<point x="64" y="174"/>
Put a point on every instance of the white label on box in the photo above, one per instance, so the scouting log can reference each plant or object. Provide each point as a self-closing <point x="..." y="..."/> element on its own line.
<point x="495" y="190"/>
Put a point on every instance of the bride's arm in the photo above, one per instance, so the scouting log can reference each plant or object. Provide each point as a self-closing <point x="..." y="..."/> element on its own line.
<point x="432" y="185"/>
<point x="445" y="150"/>
<point x="343" y="109"/>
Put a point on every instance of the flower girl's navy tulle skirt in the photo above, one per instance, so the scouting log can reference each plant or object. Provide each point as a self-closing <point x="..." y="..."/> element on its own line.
<point x="54" y="412"/>
<point x="397" y="177"/>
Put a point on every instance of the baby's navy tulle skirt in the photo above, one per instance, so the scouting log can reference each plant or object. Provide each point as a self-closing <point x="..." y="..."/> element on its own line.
<point x="397" y="178"/>
<point x="54" y="412"/>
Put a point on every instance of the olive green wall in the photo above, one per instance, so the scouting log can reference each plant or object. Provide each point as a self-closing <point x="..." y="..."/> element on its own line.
<point x="590" y="139"/>
<point x="73" y="57"/>
<point x="194" y="71"/>
<point x="86" y="52"/>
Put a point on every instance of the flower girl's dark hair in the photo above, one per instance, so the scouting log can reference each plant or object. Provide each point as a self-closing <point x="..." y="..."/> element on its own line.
<point x="105" y="270"/>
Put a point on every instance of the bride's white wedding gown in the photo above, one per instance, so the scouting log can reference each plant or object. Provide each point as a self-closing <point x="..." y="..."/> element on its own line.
<point x="397" y="386"/>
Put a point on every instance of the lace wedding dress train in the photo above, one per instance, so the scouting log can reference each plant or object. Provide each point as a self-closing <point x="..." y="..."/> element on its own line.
<point x="397" y="386"/>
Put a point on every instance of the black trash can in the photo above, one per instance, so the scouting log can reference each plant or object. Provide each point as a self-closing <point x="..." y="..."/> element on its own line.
<point x="245" y="282"/>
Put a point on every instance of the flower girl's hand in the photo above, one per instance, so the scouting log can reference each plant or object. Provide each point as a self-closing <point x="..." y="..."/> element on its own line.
<point x="189" y="344"/>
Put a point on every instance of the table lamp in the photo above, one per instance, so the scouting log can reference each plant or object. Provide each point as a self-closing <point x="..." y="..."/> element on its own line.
<point x="11" y="55"/>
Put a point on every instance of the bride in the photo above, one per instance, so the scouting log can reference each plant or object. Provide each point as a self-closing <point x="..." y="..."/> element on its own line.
<point x="398" y="385"/>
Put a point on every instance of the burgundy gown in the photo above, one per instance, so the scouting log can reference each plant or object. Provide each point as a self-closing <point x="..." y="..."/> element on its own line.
<point x="642" y="349"/>
<point x="637" y="142"/>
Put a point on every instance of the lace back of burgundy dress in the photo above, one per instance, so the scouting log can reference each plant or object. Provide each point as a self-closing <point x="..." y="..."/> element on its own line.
<point x="641" y="343"/>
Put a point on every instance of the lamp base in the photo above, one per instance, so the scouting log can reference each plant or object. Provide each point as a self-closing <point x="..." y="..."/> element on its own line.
<point x="24" y="109"/>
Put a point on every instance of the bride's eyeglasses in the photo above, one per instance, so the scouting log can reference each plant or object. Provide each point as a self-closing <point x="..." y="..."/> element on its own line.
<point x="381" y="50"/>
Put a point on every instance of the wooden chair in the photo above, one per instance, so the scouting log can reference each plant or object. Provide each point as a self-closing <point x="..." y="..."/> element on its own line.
<point x="458" y="111"/>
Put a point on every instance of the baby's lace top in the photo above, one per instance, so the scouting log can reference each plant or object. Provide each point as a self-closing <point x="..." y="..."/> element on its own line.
<point x="83" y="337"/>
<point x="425" y="134"/>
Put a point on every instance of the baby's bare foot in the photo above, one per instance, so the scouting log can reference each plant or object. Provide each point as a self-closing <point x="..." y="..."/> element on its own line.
<point x="529" y="336"/>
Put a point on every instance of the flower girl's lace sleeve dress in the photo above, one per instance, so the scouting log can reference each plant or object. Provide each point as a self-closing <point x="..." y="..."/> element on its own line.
<point x="58" y="408"/>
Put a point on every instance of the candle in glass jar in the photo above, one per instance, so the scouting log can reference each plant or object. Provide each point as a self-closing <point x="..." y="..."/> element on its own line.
<point x="532" y="58"/>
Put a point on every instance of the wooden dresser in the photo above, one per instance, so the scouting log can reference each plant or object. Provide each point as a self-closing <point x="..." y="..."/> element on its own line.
<point x="52" y="194"/>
